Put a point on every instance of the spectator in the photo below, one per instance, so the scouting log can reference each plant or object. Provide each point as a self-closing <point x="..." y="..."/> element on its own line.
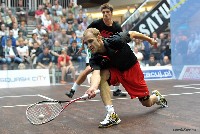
<point x="139" y="56"/>
<point x="33" y="40"/>
<point x="168" y="47"/>
<point x="34" y="52"/>
<point x="57" y="7"/>
<point x="165" y="61"/>
<point x="47" y="22"/>
<point x="1" y="20"/>
<point x="44" y="60"/>
<point x="152" y="61"/>
<point x="162" y="43"/>
<point x="64" y="39"/>
<point x="54" y="30"/>
<point x="193" y="47"/>
<point x="80" y="18"/>
<point x="66" y="66"/>
<point x="39" y="31"/>
<point x="4" y="39"/>
<point x="73" y="52"/>
<point x="2" y="56"/>
<point x="21" y="11"/>
<point x="15" y="30"/>
<point x="23" y="28"/>
<point x="23" y="51"/>
<point x="20" y="35"/>
<point x="84" y="24"/>
<point x="44" y="16"/>
<point x="3" y="31"/>
<point x="46" y="42"/>
<point x="155" y="49"/>
<point x="49" y="7"/>
<point x="74" y="37"/>
<point x="55" y="17"/>
<point x="147" y="50"/>
<point x="7" y="18"/>
<point x="38" y="14"/>
<point x="56" y="51"/>
<point x="128" y="13"/>
<point x="70" y="18"/>
<point x="70" y="30"/>
<point x="63" y="24"/>
<point x="139" y="44"/>
<point x="75" y="24"/>
<point x="79" y="32"/>
<point x="11" y="53"/>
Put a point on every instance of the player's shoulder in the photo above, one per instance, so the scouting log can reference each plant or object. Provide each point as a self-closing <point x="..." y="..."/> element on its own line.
<point x="96" y="22"/>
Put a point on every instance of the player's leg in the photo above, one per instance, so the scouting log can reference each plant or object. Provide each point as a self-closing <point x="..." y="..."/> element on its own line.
<point x="81" y="78"/>
<point x="111" y="117"/>
<point x="156" y="97"/>
<point x="137" y="87"/>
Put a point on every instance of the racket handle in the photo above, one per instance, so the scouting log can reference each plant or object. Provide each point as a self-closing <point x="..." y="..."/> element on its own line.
<point x="85" y="96"/>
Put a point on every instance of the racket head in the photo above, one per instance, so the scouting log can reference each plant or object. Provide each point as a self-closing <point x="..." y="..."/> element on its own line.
<point x="44" y="111"/>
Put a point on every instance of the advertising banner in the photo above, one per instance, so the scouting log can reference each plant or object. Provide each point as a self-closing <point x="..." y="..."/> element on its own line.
<point x="156" y="20"/>
<point x="24" y="78"/>
<point x="191" y="72"/>
<point x="158" y="73"/>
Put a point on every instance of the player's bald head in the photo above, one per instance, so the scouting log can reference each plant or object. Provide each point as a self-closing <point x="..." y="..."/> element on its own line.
<point x="91" y="32"/>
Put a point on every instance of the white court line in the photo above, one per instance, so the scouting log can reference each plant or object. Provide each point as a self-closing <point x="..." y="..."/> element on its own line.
<point x="188" y="87"/>
<point x="42" y="96"/>
<point x="17" y="96"/>
<point x="39" y="95"/>
<point x="15" y="106"/>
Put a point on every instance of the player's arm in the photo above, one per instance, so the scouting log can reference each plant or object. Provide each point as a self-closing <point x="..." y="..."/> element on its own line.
<point x="95" y="81"/>
<point x="137" y="35"/>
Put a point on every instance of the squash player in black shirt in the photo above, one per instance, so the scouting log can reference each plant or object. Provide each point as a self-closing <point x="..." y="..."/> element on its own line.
<point x="107" y="27"/>
<point x="114" y="62"/>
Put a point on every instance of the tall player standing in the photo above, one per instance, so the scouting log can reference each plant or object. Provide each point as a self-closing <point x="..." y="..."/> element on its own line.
<point x="107" y="28"/>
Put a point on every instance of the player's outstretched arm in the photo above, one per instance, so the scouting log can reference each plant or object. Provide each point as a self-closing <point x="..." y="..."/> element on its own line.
<point x="95" y="81"/>
<point x="137" y="35"/>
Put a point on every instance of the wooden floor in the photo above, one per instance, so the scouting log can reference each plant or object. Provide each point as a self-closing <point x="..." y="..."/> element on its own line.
<point x="182" y="115"/>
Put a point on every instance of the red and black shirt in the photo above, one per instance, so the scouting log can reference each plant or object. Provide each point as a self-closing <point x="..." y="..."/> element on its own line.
<point x="119" y="55"/>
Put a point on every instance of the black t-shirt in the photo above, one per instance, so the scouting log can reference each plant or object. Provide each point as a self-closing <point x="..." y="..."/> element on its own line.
<point x="106" y="31"/>
<point x="119" y="54"/>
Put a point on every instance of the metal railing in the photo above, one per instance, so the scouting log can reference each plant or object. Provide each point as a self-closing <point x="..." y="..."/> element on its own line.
<point x="129" y="23"/>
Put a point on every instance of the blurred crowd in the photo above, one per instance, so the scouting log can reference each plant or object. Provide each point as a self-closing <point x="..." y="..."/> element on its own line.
<point x="57" y="29"/>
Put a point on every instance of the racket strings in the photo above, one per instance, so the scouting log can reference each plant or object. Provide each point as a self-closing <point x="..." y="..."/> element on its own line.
<point x="43" y="112"/>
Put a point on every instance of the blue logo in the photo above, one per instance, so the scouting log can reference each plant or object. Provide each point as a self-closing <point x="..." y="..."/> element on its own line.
<point x="157" y="74"/>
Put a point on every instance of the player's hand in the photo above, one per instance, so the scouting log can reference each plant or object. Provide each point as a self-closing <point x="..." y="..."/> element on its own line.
<point x="153" y="42"/>
<point x="91" y="93"/>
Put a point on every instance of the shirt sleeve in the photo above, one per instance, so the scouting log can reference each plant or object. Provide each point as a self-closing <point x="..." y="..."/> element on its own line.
<point x="99" y="62"/>
<point x="118" y="40"/>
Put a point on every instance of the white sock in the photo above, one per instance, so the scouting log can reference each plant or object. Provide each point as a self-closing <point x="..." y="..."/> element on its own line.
<point x="109" y="109"/>
<point x="75" y="86"/>
<point x="116" y="87"/>
<point x="158" y="98"/>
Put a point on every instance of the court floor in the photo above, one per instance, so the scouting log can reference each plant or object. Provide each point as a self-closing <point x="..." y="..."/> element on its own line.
<point x="83" y="117"/>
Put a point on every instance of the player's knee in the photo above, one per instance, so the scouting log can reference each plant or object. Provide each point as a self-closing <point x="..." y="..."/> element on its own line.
<point x="88" y="70"/>
<point x="146" y="101"/>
